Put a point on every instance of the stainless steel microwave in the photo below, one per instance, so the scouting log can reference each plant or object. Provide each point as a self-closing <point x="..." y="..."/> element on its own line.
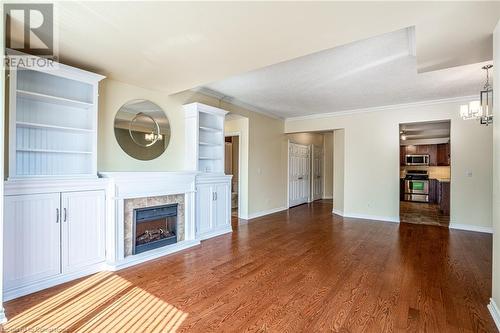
<point x="417" y="159"/>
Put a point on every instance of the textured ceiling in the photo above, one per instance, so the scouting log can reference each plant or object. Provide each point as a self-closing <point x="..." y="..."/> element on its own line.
<point x="374" y="72"/>
<point x="174" y="46"/>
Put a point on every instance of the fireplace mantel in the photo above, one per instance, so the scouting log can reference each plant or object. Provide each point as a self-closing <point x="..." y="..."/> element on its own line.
<point x="131" y="185"/>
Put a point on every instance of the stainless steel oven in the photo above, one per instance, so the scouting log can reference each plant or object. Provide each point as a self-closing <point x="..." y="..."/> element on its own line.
<point x="417" y="159"/>
<point x="417" y="190"/>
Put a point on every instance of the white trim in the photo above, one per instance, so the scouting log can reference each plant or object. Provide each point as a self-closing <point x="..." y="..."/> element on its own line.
<point x="469" y="227"/>
<point x="495" y="312"/>
<point x="375" y="218"/>
<point x="238" y="134"/>
<point x="382" y="108"/>
<point x="3" y="317"/>
<point x="264" y="213"/>
<point x="51" y="282"/>
<point x="153" y="254"/>
<point x="216" y="233"/>
<point x="234" y="101"/>
<point x="338" y="212"/>
<point x="327" y="197"/>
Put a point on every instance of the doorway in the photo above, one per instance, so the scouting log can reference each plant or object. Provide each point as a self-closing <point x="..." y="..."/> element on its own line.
<point x="232" y="167"/>
<point x="317" y="172"/>
<point x="425" y="173"/>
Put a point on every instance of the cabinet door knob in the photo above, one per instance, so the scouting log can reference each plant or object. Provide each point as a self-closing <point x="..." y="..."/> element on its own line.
<point x="65" y="215"/>
<point x="57" y="215"/>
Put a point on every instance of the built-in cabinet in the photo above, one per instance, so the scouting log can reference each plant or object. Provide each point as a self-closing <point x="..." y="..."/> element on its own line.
<point x="205" y="155"/>
<point x="48" y="235"/>
<point x="213" y="198"/>
<point x="54" y="204"/>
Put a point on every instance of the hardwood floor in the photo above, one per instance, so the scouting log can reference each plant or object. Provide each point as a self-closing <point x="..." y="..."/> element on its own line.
<point x="304" y="270"/>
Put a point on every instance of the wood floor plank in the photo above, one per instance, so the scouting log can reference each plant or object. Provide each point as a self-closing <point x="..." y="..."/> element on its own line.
<point x="302" y="270"/>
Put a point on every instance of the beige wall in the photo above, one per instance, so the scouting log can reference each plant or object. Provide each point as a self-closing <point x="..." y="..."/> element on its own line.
<point x="371" y="139"/>
<point x="306" y="138"/>
<point x="496" y="168"/>
<point x="266" y="189"/>
<point x="338" y="171"/>
<point x="328" y="165"/>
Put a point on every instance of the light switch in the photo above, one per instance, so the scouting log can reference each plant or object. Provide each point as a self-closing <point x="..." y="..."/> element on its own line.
<point x="468" y="173"/>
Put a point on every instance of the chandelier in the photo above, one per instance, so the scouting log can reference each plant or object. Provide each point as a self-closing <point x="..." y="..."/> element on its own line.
<point x="481" y="110"/>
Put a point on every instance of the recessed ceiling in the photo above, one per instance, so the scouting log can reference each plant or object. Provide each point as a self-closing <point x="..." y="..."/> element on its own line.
<point x="374" y="72"/>
<point x="174" y="46"/>
<point x="422" y="133"/>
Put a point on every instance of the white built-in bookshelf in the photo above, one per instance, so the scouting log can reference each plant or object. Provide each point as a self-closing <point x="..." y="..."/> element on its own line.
<point x="52" y="122"/>
<point x="205" y="138"/>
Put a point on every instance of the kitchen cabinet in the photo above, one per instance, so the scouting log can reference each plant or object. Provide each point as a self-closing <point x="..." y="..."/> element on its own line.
<point x="401" y="189"/>
<point x="444" y="197"/>
<point x="51" y="236"/>
<point x="213" y="202"/>
<point x="433" y="190"/>
<point x="443" y="154"/>
<point x="438" y="154"/>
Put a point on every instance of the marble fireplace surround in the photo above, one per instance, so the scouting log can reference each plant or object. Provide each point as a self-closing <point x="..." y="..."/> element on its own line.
<point x="129" y="190"/>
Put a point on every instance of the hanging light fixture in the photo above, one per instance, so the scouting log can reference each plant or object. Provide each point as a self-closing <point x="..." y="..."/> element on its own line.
<point x="482" y="109"/>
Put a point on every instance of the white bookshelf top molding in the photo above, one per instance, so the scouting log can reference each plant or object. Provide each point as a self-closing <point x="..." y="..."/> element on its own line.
<point x="199" y="107"/>
<point x="61" y="69"/>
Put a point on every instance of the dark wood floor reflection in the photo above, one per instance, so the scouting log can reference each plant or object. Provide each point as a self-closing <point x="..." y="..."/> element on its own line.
<point x="303" y="270"/>
<point x="422" y="213"/>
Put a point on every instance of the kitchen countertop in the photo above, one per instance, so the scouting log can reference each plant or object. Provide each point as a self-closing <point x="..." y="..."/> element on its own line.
<point x="441" y="180"/>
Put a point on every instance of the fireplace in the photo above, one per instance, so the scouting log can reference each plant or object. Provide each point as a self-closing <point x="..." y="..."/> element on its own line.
<point x="154" y="227"/>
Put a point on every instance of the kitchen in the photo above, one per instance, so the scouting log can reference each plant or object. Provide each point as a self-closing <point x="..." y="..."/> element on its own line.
<point x="425" y="169"/>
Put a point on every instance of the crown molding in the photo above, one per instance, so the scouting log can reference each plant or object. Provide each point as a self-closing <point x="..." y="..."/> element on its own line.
<point x="234" y="101"/>
<point x="383" y="108"/>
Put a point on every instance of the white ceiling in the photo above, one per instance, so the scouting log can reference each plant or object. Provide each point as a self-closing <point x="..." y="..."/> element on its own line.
<point x="374" y="72"/>
<point x="174" y="46"/>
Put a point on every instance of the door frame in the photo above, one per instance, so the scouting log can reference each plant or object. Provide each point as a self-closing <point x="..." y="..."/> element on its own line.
<point x="238" y="134"/>
<point x="312" y="151"/>
<point x="290" y="142"/>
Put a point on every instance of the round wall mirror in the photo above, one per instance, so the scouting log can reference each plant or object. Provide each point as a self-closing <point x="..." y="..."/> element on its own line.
<point x="142" y="129"/>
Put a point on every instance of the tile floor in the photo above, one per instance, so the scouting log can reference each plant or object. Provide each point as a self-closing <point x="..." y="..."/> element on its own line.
<point x="422" y="213"/>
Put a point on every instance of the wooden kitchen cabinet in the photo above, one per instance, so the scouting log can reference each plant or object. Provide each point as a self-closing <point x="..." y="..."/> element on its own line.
<point x="433" y="190"/>
<point x="444" y="197"/>
<point x="443" y="154"/>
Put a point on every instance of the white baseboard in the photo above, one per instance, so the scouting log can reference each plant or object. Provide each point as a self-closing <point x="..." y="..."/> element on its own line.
<point x="216" y="233"/>
<point x="152" y="254"/>
<point x="3" y="317"/>
<point x="338" y="212"/>
<point x="327" y="197"/>
<point x="495" y="312"/>
<point x="50" y="282"/>
<point x="469" y="227"/>
<point x="265" y="212"/>
<point x="376" y="218"/>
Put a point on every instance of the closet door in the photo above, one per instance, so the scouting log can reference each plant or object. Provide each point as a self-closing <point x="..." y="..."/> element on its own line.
<point x="32" y="236"/>
<point x="83" y="241"/>
<point x="299" y="163"/>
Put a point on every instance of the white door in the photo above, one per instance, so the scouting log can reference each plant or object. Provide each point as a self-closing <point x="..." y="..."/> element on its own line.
<point x="222" y="205"/>
<point x="317" y="173"/>
<point x="298" y="174"/>
<point x="32" y="236"/>
<point x="204" y="209"/>
<point x="83" y="229"/>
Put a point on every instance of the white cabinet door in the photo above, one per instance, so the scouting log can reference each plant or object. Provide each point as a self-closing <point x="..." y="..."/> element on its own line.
<point x="222" y="205"/>
<point x="83" y="229"/>
<point x="32" y="236"/>
<point x="317" y="172"/>
<point x="204" y="209"/>
<point x="298" y="172"/>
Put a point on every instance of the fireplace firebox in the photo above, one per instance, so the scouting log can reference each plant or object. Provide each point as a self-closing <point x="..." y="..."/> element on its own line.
<point x="154" y="227"/>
